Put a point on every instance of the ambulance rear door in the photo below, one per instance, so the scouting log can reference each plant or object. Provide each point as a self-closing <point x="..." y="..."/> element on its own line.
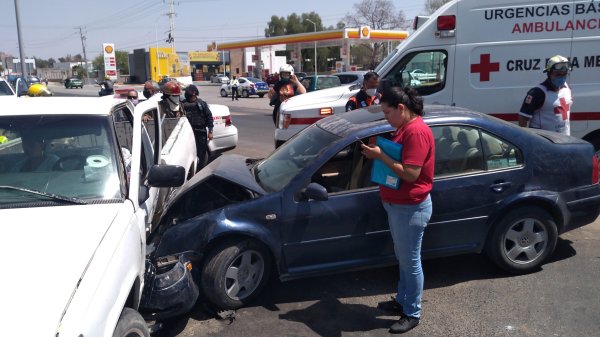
<point x="585" y="76"/>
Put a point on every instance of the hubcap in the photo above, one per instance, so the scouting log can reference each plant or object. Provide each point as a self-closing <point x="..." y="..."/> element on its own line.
<point x="525" y="241"/>
<point x="244" y="274"/>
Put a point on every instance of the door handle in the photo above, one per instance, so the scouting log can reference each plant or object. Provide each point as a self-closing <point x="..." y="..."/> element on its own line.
<point x="500" y="186"/>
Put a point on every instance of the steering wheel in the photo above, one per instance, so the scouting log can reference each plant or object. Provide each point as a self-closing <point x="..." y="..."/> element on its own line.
<point x="70" y="163"/>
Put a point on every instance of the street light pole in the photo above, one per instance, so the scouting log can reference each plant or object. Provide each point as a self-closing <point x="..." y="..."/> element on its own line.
<point x="21" y="54"/>
<point x="315" y="63"/>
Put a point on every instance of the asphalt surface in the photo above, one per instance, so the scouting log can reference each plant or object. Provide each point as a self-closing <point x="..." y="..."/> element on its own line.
<point x="464" y="295"/>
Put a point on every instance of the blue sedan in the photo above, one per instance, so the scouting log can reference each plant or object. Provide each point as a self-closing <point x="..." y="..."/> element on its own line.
<point x="310" y="208"/>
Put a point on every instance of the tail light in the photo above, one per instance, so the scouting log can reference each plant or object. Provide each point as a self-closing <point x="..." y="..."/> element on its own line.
<point x="287" y="119"/>
<point x="251" y="85"/>
<point x="228" y="120"/>
<point x="325" y="111"/>
<point x="594" y="170"/>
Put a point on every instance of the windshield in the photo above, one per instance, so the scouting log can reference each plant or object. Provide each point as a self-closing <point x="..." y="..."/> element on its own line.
<point x="276" y="171"/>
<point x="5" y="89"/>
<point x="55" y="157"/>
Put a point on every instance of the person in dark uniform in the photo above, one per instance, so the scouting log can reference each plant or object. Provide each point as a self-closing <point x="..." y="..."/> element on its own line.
<point x="107" y="87"/>
<point x="367" y="95"/>
<point x="201" y="119"/>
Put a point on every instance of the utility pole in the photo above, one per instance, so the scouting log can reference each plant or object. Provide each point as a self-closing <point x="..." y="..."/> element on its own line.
<point x="87" y="76"/>
<point x="171" y="16"/>
<point x="21" y="54"/>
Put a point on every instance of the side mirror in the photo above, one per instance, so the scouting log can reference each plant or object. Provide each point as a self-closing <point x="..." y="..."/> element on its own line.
<point x="316" y="192"/>
<point x="166" y="176"/>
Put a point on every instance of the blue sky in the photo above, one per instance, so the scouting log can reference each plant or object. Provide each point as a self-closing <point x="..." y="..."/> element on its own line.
<point x="49" y="28"/>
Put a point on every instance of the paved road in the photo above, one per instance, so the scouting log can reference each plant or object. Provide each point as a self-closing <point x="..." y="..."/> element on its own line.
<point x="464" y="295"/>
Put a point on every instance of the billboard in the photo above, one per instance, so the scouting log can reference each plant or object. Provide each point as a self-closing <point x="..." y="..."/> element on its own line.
<point x="110" y="60"/>
<point x="164" y="62"/>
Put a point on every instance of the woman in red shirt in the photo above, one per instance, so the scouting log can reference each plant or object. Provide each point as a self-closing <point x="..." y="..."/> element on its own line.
<point x="408" y="207"/>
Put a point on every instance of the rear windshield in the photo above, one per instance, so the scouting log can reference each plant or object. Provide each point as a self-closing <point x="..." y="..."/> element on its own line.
<point x="5" y="89"/>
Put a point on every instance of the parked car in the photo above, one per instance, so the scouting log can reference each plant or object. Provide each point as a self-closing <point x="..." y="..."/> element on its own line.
<point x="351" y="77"/>
<point x="73" y="82"/>
<point x="310" y="208"/>
<point x="32" y="80"/>
<point x="318" y="82"/>
<point x="219" y="78"/>
<point x="300" y="75"/>
<point x="248" y="86"/>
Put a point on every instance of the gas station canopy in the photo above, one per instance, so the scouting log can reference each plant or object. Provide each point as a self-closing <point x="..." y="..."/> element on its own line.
<point x="325" y="38"/>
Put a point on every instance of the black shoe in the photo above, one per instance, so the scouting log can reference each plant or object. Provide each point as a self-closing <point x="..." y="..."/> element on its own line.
<point x="391" y="306"/>
<point x="404" y="324"/>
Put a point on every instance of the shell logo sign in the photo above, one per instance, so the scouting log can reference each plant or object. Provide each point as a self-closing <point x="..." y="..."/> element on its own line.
<point x="365" y="32"/>
<point x="108" y="49"/>
<point x="110" y="61"/>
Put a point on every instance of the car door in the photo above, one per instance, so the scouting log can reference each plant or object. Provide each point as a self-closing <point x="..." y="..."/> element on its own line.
<point x="348" y="230"/>
<point x="474" y="170"/>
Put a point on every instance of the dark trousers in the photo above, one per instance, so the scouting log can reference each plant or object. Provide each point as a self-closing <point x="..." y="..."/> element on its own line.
<point x="234" y="93"/>
<point x="201" y="147"/>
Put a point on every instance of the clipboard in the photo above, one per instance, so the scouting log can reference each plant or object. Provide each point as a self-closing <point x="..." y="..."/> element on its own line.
<point x="380" y="173"/>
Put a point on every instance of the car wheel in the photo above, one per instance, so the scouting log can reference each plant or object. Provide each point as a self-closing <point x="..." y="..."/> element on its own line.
<point x="223" y="93"/>
<point x="245" y="94"/>
<point x="235" y="272"/>
<point x="522" y="240"/>
<point x="131" y="324"/>
<point x="261" y="95"/>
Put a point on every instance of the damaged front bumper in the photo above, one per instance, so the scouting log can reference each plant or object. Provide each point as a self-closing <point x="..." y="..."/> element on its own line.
<point x="169" y="287"/>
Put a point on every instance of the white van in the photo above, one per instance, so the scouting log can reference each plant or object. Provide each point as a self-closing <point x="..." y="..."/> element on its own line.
<point x="484" y="55"/>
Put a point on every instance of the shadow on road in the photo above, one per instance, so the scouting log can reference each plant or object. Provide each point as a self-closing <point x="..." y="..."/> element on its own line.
<point x="329" y="293"/>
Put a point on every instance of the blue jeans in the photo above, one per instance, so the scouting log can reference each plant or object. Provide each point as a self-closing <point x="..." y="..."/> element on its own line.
<point x="407" y="223"/>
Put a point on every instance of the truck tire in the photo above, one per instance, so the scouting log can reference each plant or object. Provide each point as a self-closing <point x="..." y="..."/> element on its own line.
<point x="235" y="272"/>
<point x="223" y="93"/>
<point x="131" y="324"/>
<point x="261" y="95"/>
<point x="522" y="240"/>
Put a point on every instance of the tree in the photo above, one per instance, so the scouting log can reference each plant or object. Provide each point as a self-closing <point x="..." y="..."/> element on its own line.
<point x="377" y="14"/>
<point x="122" y="63"/>
<point x="432" y="5"/>
<point x="41" y="63"/>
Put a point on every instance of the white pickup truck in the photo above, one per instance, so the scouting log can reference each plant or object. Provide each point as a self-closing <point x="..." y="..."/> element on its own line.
<point x="79" y="181"/>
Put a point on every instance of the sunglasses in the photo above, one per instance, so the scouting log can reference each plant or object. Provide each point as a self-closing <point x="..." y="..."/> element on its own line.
<point x="561" y="67"/>
<point x="132" y="97"/>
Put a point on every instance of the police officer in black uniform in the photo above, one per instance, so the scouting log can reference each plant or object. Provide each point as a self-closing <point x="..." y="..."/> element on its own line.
<point x="201" y="119"/>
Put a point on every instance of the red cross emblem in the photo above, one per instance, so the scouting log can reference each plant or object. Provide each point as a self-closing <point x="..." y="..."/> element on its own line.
<point x="485" y="67"/>
<point x="562" y="109"/>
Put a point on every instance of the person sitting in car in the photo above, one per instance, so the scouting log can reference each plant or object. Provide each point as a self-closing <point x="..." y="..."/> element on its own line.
<point x="36" y="158"/>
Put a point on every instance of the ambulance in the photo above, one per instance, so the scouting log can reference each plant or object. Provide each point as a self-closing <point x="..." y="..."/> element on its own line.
<point x="483" y="55"/>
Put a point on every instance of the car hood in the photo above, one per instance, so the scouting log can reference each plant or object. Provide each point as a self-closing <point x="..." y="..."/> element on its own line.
<point x="231" y="167"/>
<point x="317" y="98"/>
<point x="51" y="248"/>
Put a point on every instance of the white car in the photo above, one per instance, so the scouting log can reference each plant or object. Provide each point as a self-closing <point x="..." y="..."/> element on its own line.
<point x="81" y="215"/>
<point x="5" y="88"/>
<point x="225" y="134"/>
<point x="219" y="78"/>
<point x="248" y="86"/>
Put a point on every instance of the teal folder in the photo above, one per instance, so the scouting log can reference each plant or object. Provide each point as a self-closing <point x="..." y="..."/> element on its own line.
<point x="380" y="173"/>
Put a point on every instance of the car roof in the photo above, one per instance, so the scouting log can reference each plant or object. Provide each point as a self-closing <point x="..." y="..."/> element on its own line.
<point x="60" y="106"/>
<point x="362" y="119"/>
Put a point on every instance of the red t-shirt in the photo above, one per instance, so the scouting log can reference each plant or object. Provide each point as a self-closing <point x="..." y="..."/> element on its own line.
<point x="418" y="149"/>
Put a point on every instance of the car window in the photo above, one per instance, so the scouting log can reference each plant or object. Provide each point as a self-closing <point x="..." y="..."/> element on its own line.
<point x="277" y="170"/>
<point x="5" y="89"/>
<point x="306" y="82"/>
<point x="69" y="156"/>
<point x="462" y="149"/>
<point x="242" y="80"/>
<point x="345" y="79"/>
<point x="424" y="71"/>
<point x="328" y="82"/>
<point x="347" y="170"/>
